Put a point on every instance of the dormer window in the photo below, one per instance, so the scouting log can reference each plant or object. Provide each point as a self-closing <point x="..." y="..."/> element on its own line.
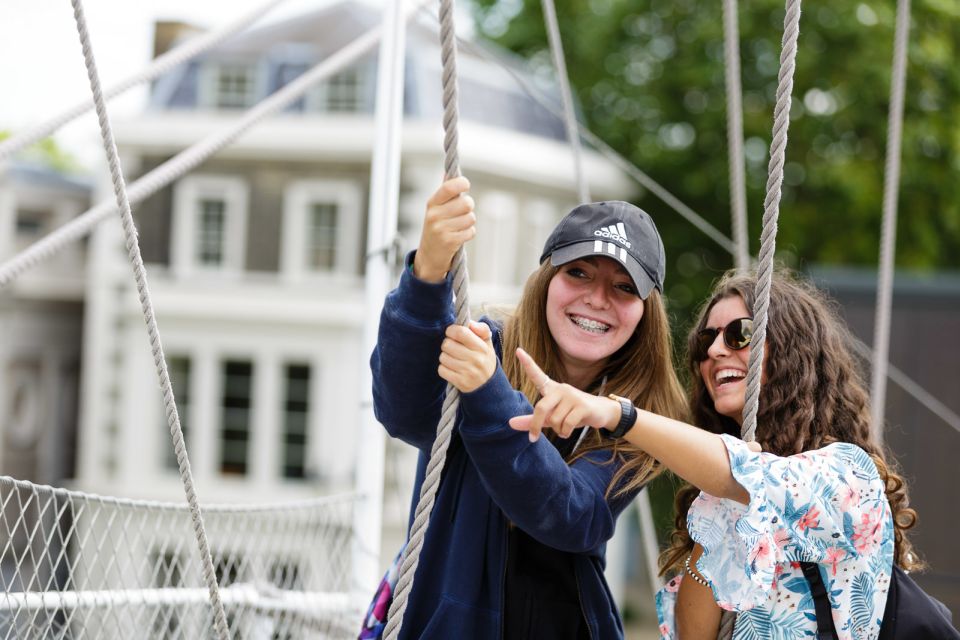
<point x="344" y="92"/>
<point x="234" y="85"/>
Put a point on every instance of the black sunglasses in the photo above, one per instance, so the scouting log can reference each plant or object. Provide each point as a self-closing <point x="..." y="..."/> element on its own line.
<point x="736" y="335"/>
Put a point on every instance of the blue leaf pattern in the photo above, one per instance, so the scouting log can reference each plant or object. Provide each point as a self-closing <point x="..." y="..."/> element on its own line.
<point x="820" y="506"/>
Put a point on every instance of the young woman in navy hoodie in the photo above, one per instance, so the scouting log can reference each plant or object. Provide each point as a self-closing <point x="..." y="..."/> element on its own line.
<point x="516" y="540"/>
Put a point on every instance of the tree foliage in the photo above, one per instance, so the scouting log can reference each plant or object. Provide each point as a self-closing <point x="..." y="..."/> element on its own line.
<point x="649" y="78"/>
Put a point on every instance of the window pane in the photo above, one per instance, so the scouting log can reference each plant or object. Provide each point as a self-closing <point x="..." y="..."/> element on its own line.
<point x="322" y="235"/>
<point x="235" y="416"/>
<point x="235" y="86"/>
<point x="179" y="369"/>
<point x="210" y="231"/>
<point x="296" y="409"/>
<point x="344" y="91"/>
<point x="32" y="222"/>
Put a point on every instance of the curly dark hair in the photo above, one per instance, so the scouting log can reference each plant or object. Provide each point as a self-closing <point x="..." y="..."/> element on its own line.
<point x="813" y="395"/>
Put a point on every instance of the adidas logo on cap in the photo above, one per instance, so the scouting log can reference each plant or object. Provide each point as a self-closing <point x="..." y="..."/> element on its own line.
<point x="614" y="232"/>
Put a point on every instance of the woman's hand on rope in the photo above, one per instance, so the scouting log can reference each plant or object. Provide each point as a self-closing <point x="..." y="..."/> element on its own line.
<point x="448" y="223"/>
<point x="562" y="407"/>
<point x="467" y="357"/>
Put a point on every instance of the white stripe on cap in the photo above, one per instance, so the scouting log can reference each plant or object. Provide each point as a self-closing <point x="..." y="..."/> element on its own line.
<point x="598" y="246"/>
<point x="623" y="255"/>
<point x="622" y="230"/>
<point x="611" y="249"/>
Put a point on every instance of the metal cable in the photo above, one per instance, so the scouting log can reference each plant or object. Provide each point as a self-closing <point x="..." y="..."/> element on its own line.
<point x="570" y="116"/>
<point x="888" y="235"/>
<point x="738" y="185"/>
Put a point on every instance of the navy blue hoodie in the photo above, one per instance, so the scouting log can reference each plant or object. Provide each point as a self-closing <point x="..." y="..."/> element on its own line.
<point x="493" y="475"/>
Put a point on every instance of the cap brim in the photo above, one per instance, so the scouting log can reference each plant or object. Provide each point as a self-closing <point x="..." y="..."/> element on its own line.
<point x="641" y="280"/>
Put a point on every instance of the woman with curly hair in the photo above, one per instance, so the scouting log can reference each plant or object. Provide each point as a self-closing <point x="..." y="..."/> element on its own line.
<point x="821" y="491"/>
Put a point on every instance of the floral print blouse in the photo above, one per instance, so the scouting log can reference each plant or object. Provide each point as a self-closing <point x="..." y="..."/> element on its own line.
<point x="826" y="506"/>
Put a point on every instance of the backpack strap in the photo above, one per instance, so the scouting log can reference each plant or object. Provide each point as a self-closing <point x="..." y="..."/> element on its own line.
<point x="821" y="602"/>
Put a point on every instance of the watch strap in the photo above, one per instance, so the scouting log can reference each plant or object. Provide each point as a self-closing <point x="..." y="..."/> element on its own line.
<point x="628" y="416"/>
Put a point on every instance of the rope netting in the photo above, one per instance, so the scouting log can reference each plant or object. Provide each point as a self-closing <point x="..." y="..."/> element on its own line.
<point x="75" y="565"/>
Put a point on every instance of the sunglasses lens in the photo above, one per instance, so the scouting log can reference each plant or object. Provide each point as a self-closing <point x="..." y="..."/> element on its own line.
<point x="705" y="338"/>
<point x="738" y="333"/>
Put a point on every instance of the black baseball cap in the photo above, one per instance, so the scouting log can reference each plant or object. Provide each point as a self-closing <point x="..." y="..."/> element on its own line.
<point x="614" y="229"/>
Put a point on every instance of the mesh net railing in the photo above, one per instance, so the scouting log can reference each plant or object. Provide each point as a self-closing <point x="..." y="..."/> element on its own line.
<point x="76" y="566"/>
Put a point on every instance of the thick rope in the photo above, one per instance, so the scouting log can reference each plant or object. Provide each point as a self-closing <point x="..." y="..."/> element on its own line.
<point x="888" y="235"/>
<point x="771" y="212"/>
<point x="448" y="414"/>
<point x="768" y="237"/>
<point x="738" y="185"/>
<point x="133" y="251"/>
<point x="189" y="158"/>
<point x="162" y="64"/>
<point x="570" y="117"/>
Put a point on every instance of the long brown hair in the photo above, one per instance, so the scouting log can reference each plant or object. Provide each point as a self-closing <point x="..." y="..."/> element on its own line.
<point x="813" y="395"/>
<point x="642" y="370"/>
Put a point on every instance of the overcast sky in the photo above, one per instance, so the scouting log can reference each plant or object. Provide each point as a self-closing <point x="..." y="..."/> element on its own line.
<point x="41" y="64"/>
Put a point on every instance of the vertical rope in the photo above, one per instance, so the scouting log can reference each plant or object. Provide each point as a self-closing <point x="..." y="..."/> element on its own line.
<point x="771" y="212"/>
<point x="768" y="237"/>
<point x="448" y="414"/>
<point x="888" y="235"/>
<point x="133" y="251"/>
<point x="738" y="187"/>
<point x="569" y="116"/>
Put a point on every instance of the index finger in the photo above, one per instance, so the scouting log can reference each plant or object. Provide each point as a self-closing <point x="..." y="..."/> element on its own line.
<point x="533" y="371"/>
<point x="449" y="190"/>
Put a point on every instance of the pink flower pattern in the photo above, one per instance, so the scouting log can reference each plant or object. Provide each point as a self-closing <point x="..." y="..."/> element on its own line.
<point x="826" y="506"/>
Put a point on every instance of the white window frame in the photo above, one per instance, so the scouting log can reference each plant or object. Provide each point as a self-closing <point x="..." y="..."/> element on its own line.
<point x="317" y="100"/>
<point x="187" y="194"/>
<point x="297" y="200"/>
<point x="209" y="89"/>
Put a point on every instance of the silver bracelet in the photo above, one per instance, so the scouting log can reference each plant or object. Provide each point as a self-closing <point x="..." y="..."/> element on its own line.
<point x="696" y="578"/>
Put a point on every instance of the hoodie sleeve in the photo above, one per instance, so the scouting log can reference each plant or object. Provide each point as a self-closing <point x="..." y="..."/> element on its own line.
<point x="563" y="506"/>
<point x="407" y="391"/>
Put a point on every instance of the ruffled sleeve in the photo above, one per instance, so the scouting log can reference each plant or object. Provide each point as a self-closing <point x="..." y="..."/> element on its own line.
<point x="822" y="506"/>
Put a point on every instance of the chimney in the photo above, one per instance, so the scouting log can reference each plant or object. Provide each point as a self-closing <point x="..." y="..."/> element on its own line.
<point x="169" y="33"/>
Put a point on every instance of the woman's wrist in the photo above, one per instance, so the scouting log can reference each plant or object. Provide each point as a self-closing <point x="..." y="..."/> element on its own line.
<point x="624" y="417"/>
<point x="425" y="272"/>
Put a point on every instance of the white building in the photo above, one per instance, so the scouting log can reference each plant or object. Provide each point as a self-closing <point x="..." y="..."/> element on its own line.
<point x="255" y="259"/>
<point x="40" y="320"/>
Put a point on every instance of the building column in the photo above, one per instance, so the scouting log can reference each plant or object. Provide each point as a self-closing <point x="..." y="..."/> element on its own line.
<point x="50" y="423"/>
<point x="264" y="427"/>
<point x="205" y="400"/>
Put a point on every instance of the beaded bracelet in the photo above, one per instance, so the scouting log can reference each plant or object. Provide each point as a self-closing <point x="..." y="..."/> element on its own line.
<point x="696" y="578"/>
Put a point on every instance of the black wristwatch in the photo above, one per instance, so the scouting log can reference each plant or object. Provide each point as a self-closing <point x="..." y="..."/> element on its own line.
<point x="628" y="416"/>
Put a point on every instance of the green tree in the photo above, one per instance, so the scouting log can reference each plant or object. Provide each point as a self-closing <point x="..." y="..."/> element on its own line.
<point x="649" y="77"/>
<point x="47" y="153"/>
